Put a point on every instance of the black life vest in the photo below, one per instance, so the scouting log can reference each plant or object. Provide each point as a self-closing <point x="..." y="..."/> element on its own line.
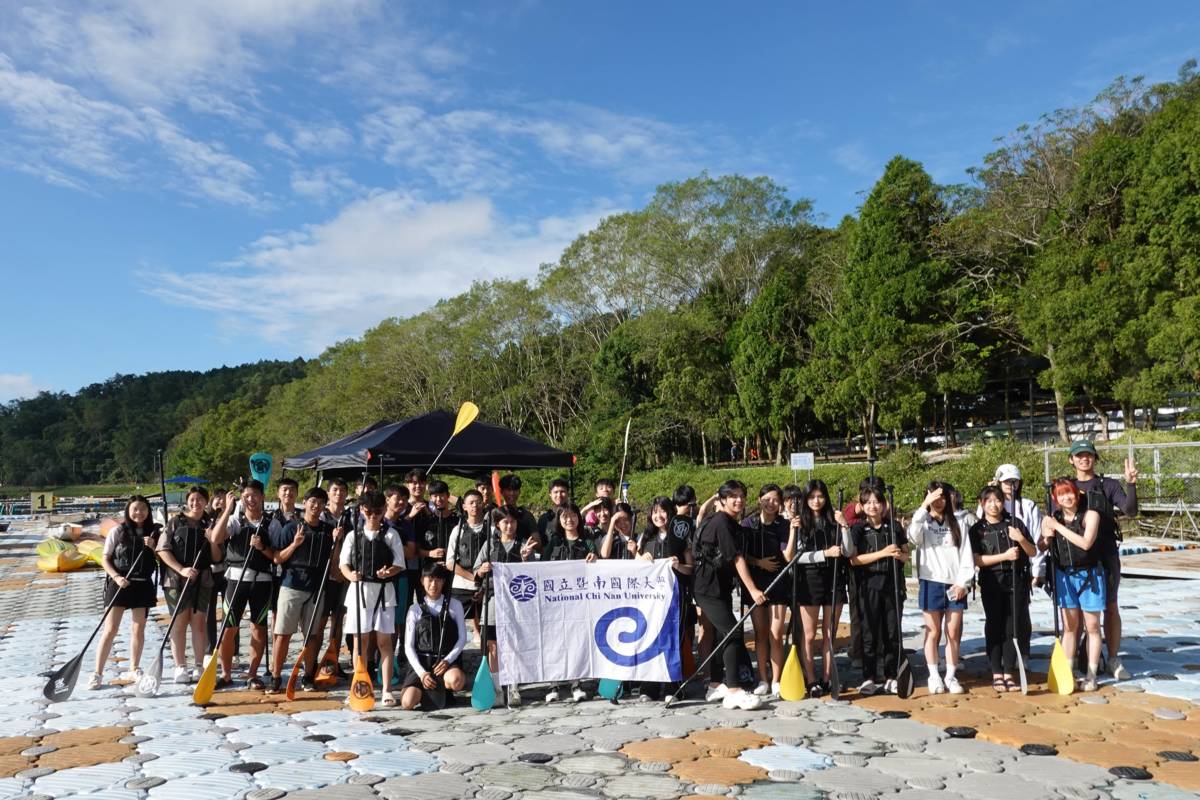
<point x="506" y="555"/>
<point x="707" y="549"/>
<point x="189" y="541"/>
<point x="760" y="539"/>
<point x="820" y="537"/>
<point x="368" y="556"/>
<point x="994" y="540"/>
<point x="127" y="546"/>
<point x="664" y="546"/>
<point x="313" y="553"/>
<point x="437" y="633"/>
<point x="620" y="548"/>
<point x="564" y="549"/>
<point x="470" y="541"/>
<point x="437" y="530"/>
<point x="238" y="551"/>
<point x="1067" y="555"/>
<point x="874" y="540"/>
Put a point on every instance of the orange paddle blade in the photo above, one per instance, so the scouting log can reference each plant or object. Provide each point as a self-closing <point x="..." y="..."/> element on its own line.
<point x="362" y="693"/>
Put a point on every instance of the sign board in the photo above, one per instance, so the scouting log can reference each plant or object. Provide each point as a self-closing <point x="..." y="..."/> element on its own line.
<point x="41" y="503"/>
<point x="802" y="461"/>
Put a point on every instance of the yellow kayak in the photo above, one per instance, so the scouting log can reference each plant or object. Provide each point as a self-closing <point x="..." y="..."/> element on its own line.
<point x="92" y="550"/>
<point x="49" y="548"/>
<point x="66" y="561"/>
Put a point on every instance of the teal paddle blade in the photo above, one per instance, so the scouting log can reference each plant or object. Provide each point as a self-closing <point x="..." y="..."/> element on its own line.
<point x="483" y="692"/>
<point x="610" y="689"/>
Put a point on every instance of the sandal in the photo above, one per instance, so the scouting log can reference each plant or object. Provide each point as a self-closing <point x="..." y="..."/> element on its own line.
<point x="1000" y="684"/>
<point x="1011" y="685"/>
<point x="256" y="683"/>
<point x="223" y="683"/>
<point x="388" y="699"/>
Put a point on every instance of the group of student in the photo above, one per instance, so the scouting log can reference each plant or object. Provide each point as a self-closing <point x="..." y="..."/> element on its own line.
<point x="402" y="572"/>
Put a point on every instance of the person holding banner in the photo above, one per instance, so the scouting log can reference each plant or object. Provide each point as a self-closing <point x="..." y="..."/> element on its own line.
<point x="434" y="638"/>
<point x="569" y="545"/>
<point x="505" y="549"/>
<point x="619" y="541"/>
<point x="718" y="561"/>
<point x="661" y="539"/>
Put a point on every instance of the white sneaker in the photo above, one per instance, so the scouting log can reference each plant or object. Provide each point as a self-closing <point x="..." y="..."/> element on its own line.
<point x="953" y="686"/>
<point x="935" y="683"/>
<point x="717" y="692"/>
<point x="889" y="686"/>
<point x="552" y="695"/>
<point x="868" y="688"/>
<point x="743" y="700"/>
<point x="578" y="695"/>
<point x="514" y="696"/>
<point x="182" y="676"/>
<point x="196" y="673"/>
<point x="94" y="681"/>
<point x="1118" y="670"/>
<point x="762" y="689"/>
<point x="134" y="675"/>
<point x="775" y="687"/>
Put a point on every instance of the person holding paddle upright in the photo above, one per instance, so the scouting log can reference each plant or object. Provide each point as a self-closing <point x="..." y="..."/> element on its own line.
<point x="370" y="558"/>
<point x="1070" y="535"/>
<point x="128" y="559"/>
<point x="764" y="535"/>
<point x="188" y="539"/>
<point x="821" y="542"/>
<point x="248" y="561"/>
<point x="875" y="578"/>
<point x="434" y="637"/>
<point x="945" y="569"/>
<point x="1002" y="548"/>
<point x="505" y="549"/>
<point x="302" y="548"/>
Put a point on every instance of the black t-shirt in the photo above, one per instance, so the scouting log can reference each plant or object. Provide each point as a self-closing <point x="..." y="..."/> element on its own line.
<point x="868" y="539"/>
<point x="764" y="540"/>
<point x="717" y="547"/>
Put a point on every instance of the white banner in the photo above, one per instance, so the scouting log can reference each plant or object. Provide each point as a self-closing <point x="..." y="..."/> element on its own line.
<point x="570" y="620"/>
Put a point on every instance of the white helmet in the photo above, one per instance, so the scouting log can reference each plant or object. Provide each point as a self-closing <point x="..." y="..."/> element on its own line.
<point x="1007" y="472"/>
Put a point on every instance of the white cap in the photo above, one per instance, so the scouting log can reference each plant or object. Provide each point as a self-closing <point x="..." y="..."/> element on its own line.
<point x="1008" y="472"/>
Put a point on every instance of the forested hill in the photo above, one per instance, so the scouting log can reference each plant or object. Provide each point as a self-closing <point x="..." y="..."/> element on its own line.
<point x="724" y="310"/>
<point x="110" y="431"/>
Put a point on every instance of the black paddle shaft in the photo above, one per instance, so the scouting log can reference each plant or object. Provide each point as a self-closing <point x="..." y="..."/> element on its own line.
<point x="57" y="689"/>
<point x="898" y="579"/>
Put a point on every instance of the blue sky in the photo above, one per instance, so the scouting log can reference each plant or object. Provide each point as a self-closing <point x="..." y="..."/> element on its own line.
<point x="203" y="182"/>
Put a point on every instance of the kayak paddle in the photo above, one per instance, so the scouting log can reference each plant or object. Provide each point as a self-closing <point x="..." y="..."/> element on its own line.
<point x="904" y="674"/>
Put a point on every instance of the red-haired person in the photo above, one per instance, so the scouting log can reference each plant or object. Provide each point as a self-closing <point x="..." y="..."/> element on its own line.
<point x="1070" y="535"/>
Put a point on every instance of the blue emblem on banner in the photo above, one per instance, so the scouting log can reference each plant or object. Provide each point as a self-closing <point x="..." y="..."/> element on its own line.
<point x="522" y="588"/>
<point x="666" y="643"/>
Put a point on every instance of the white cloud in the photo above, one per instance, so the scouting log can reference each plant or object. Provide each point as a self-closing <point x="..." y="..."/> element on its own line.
<point x="853" y="157"/>
<point x="391" y="253"/>
<point x="14" y="386"/>
<point x="323" y="184"/>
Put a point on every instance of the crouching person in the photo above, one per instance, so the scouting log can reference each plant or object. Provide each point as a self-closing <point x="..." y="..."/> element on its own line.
<point x="434" y="636"/>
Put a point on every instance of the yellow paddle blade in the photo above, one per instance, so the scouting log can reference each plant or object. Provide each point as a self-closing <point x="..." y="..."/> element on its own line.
<point x="207" y="683"/>
<point x="467" y="413"/>
<point x="792" y="687"/>
<point x="1060" y="679"/>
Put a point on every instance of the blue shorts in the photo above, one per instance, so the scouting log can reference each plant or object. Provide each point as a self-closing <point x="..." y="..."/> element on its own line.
<point x="1083" y="589"/>
<point x="932" y="597"/>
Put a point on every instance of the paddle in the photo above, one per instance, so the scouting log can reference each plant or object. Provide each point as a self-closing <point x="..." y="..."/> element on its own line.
<point x="327" y="671"/>
<point x="792" y="685"/>
<point x="1060" y="678"/>
<point x="1017" y="584"/>
<point x="835" y="678"/>
<point x="148" y="685"/>
<point x="61" y="683"/>
<point x="904" y="675"/>
<point x="467" y="413"/>
<point x="739" y="625"/>
<point x="436" y="697"/>
<point x="611" y="689"/>
<point x="483" y="691"/>
<point x="362" y="693"/>
<point x="290" y="693"/>
<point x="207" y="684"/>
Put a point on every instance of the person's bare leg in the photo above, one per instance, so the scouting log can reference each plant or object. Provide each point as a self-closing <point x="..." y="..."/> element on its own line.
<point x="179" y="638"/>
<point x="112" y="623"/>
<point x="808" y="616"/>
<point x="779" y="623"/>
<point x="1112" y="629"/>
<point x="933" y="638"/>
<point x="761" y="617"/>
<point x="137" y="637"/>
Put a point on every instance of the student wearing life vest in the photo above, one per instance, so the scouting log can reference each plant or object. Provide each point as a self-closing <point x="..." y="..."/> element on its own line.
<point x="466" y="540"/>
<point x="504" y="548"/>
<point x="188" y="539"/>
<point x="559" y="496"/>
<point x="568" y="544"/>
<point x="764" y="535"/>
<point x="941" y="551"/>
<point x="303" y="549"/>
<point x="719" y="562"/>
<point x="663" y="540"/>
<point x="821" y="544"/>
<point x="1108" y="498"/>
<point x="371" y="557"/>
<point x="129" y="564"/>
<point x="396" y="519"/>
<point x="510" y="495"/>
<point x="1070" y="535"/>
<point x="435" y="635"/>
<point x="874" y="563"/>
<point x="337" y="514"/>
<point x="433" y="530"/>
<point x="1003" y="551"/>
<point x="619" y="542"/>
<point x="249" y="574"/>
<point x="1008" y="479"/>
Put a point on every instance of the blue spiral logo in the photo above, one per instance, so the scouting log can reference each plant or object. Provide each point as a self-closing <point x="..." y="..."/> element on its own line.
<point x="665" y="643"/>
<point x="522" y="588"/>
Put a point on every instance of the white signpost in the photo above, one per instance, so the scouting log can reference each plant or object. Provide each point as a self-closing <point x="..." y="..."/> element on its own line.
<point x="802" y="461"/>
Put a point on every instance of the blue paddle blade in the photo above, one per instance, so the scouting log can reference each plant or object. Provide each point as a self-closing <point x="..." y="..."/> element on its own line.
<point x="610" y="689"/>
<point x="483" y="692"/>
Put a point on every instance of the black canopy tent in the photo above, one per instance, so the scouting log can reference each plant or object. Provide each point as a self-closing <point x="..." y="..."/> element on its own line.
<point x="415" y="442"/>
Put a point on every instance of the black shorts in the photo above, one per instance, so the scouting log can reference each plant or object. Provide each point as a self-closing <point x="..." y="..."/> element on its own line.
<point x="816" y="586"/>
<point x="1112" y="576"/>
<point x="335" y="598"/>
<point x="467" y="598"/>
<point x="253" y="594"/>
<point x="138" y="594"/>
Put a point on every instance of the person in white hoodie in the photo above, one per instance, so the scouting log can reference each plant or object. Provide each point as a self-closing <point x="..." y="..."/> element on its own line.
<point x="945" y="568"/>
